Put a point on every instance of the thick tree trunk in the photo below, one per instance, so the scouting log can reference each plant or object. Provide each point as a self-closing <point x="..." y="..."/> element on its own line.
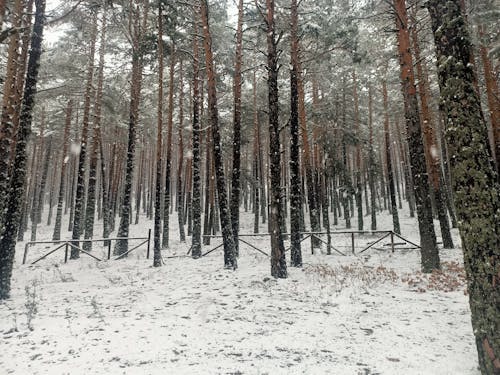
<point x="230" y="260"/>
<point x="429" y="250"/>
<point x="430" y="144"/>
<point x="7" y="128"/>
<point x="474" y="179"/>
<point x="493" y="95"/>
<point x="278" y="262"/>
<point x="18" y="180"/>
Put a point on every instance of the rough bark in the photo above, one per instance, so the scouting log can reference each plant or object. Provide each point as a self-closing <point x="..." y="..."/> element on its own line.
<point x="94" y="152"/>
<point x="237" y="79"/>
<point x="295" y="186"/>
<point x="196" y="202"/>
<point x="388" y="159"/>
<point x="139" y="31"/>
<point x="18" y="180"/>
<point x="278" y="262"/>
<point x="429" y="251"/>
<point x="474" y="179"/>
<point x="157" y="261"/>
<point x="78" y="218"/>
<point x="230" y="260"/>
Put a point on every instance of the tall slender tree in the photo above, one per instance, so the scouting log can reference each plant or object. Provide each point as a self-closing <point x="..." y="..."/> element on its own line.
<point x="295" y="185"/>
<point x="278" y="262"/>
<point x="237" y="79"/>
<point x="139" y="12"/>
<point x="230" y="260"/>
<point x="429" y="250"/>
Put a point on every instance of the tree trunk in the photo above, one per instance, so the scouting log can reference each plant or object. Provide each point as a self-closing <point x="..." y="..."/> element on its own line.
<point x="278" y="262"/>
<point x="91" y="188"/>
<point x="230" y="261"/>
<point x="388" y="156"/>
<point x="474" y="179"/>
<point x="235" y="182"/>
<point x="358" y="194"/>
<point x="295" y="188"/>
<point x="80" y="185"/>
<point x="18" y="180"/>
<point x="139" y="30"/>
<point x="7" y="131"/>
<point x="157" y="261"/>
<point x="56" y="236"/>
<point x="168" y="161"/>
<point x="430" y="144"/>
<point x="429" y="250"/>
<point x="196" y="202"/>
<point x="180" y="195"/>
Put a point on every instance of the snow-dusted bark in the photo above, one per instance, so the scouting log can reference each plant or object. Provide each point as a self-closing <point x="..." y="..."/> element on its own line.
<point x="230" y="260"/>
<point x="429" y="250"/>
<point x="18" y="180"/>
<point x="474" y="178"/>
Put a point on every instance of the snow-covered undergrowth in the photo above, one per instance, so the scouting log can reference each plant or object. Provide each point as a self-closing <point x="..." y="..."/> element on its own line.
<point x="369" y="314"/>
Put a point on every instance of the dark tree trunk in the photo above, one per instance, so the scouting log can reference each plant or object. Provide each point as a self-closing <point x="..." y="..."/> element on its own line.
<point x="235" y="182"/>
<point x="157" y="261"/>
<point x="474" y="179"/>
<point x="139" y="30"/>
<point x="429" y="250"/>
<point x="180" y="195"/>
<point x="196" y="202"/>
<point x="295" y="185"/>
<point x="168" y="161"/>
<point x="278" y="262"/>
<point x="230" y="260"/>
<point x="18" y="180"/>
<point x="94" y="152"/>
<point x="78" y="218"/>
<point x="388" y="157"/>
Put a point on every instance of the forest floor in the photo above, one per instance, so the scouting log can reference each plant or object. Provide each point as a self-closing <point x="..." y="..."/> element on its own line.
<point x="372" y="313"/>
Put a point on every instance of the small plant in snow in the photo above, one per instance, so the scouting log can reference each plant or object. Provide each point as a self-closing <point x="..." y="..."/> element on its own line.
<point x="356" y="274"/>
<point x="97" y="309"/>
<point x="31" y="303"/>
<point x="64" y="277"/>
<point x="450" y="278"/>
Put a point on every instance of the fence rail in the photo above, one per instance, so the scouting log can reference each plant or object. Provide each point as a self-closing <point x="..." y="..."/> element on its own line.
<point x="67" y="244"/>
<point x="316" y="237"/>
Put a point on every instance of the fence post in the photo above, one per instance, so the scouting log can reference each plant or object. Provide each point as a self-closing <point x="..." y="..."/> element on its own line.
<point x="109" y="249"/>
<point x="149" y="243"/>
<point x="25" y="252"/>
<point x="66" y="253"/>
<point x="352" y="242"/>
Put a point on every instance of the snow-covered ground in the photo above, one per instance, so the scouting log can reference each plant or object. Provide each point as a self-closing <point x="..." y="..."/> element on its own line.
<point x="368" y="314"/>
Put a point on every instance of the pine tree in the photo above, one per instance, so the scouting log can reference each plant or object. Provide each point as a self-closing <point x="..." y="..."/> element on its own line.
<point x="18" y="180"/>
<point x="230" y="260"/>
<point x="474" y="179"/>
